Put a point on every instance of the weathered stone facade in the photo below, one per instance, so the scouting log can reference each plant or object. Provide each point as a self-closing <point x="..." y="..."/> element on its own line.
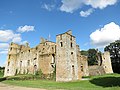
<point x="106" y="62"/>
<point x="64" y="55"/>
<point x="103" y="67"/>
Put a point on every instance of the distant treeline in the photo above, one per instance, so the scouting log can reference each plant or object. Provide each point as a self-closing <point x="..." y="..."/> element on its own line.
<point x="2" y="69"/>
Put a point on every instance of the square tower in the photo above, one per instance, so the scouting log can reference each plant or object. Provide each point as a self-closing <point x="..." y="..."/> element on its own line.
<point x="66" y="57"/>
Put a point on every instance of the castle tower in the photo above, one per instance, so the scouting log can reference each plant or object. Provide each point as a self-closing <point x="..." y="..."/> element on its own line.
<point x="66" y="57"/>
<point x="106" y="62"/>
<point x="10" y="68"/>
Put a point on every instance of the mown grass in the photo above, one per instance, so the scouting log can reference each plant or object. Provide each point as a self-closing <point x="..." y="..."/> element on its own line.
<point x="103" y="82"/>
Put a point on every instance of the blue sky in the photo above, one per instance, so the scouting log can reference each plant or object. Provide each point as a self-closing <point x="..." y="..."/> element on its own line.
<point x="95" y="23"/>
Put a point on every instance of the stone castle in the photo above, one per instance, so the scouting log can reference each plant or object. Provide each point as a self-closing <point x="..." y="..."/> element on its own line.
<point x="62" y="56"/>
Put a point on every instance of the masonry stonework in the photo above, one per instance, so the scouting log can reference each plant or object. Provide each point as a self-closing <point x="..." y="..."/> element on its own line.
<point x="106" y="62"/>
<point x="66" y="57"/>
<point x="103" y="67"/>
<point x="62" y="57"/>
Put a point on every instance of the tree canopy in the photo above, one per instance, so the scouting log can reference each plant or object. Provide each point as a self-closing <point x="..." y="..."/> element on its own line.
<point x="92" y="56"/>
<point x="114" y="49"/>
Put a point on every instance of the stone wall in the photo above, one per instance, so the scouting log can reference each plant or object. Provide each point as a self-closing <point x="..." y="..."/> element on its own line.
<point x="66" y="62"/>
<point x="104" y="68"/>
<point x="25" y="60"/>
<point x="64" y="55"/>
<point x="106" y="62"/>
<point x="10" y="68"/>
<point x="96" y="70"/>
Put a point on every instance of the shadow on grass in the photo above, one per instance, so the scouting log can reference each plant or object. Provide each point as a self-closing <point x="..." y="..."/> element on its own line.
<point x="2" y="79"/>
<point x="106" y="81"/>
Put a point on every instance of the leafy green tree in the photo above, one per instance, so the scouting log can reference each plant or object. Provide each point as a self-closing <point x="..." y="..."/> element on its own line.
<point x="92" y="56"/>
<point x="83" y="52"/>
<point x="114" y="49"/>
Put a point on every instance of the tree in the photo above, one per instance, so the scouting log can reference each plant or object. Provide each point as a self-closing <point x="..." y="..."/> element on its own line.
<point x="83" y="52"/>
<point x="114" y="49"/>
<point x="1" y="68"/>
<point x="92" y="56"/>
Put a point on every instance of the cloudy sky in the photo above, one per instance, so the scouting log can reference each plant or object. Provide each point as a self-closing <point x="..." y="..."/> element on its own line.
<point x="95" y="23"/>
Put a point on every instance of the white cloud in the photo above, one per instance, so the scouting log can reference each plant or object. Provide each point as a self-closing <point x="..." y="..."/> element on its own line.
<point x="25" y="28"/>
<point x="70" y="5"/>
<point x="101" y="4"/>
<point x="6" y="35"/>
<point x="24" y="42"/>
<point x="48" y="7"/>
<point x="86" y="13"/>
<point x="4" y="52"/>
<point x="17" y="38"/>
<point x="103" y="36"/>
<point x="9" y="35"/>
<point x="4" y="46"/>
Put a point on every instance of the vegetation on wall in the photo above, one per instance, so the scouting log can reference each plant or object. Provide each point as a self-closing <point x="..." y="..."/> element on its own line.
<point x="51" y="76"/>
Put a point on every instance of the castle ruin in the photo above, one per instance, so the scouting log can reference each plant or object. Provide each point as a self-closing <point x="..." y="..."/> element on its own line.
<point x="104" y="65"/>
<point x="63" y="56"/>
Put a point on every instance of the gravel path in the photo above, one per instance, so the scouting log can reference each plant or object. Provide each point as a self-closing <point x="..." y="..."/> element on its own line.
<point x="10" y="87"/>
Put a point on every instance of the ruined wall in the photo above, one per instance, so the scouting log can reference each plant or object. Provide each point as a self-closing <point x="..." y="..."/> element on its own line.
<point x="66" y="57"/>
<point x="40" y="58"/>
<point x="104" y="67"/>
<point x="96" y="70"/>
<point x="106" y="62"/>
<point x="10" y="68"/>
<point x="84" y="65"/>
<point x="80" y="73"/>
<point x="25" y="60"/>
<point x="47" y="57"/>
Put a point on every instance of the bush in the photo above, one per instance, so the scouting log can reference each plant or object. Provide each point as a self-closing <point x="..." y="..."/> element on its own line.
<point x="2" y="79"/>
<point x="23" y="77"/>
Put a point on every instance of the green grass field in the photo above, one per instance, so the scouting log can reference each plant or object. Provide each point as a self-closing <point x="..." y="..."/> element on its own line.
<point x="104" y="82"/>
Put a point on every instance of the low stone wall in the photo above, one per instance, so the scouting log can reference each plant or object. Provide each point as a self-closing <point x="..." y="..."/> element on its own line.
<point x="96" y="70"/>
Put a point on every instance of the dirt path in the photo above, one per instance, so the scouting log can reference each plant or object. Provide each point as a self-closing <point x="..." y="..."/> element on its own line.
<point x="10" y="87"/>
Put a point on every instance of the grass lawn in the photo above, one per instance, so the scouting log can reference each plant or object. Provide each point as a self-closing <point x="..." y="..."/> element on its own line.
<point x="104" y="82"/>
